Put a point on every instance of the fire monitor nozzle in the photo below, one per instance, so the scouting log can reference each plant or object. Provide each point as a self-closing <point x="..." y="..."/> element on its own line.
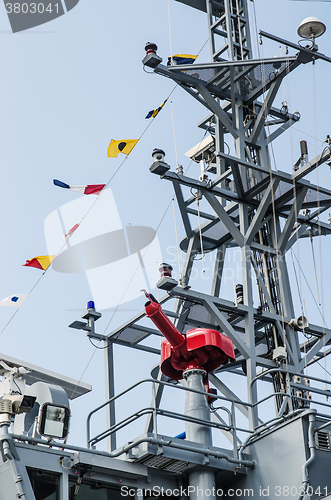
<point x="201" y="348"/>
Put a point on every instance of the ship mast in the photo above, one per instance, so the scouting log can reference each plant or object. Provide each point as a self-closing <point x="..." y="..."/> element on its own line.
<point x="235" y="19"/>
<point x="247" y="200"/>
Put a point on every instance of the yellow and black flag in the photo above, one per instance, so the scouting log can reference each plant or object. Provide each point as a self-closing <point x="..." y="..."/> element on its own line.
<point x="156" y="111"/>
<point x="124" y="146"/>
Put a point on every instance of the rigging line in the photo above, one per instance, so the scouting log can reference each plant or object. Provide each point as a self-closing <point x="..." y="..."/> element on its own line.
<point x="170" y="38"/>
<point x="120" y="166"/>
<point x="307" y="337"/>
<point x="200" y="233"/>
<point x="318" y="205"/>
<point x="280" y="289"/>
<point x="256" y="30"/>
<point x="174" y="131"/>
<point x="89" y="210"/>
<point x="177" y="244"/>
<point x="116" y="308"/>
<point x="318" y="190"/>
<point x="324" y="180"/>
<point x="97" y="346"/>
<point x="296" y="279"/>
<point x="323" y="368"/>
<point x="309" y="288"/>
<point x="314" y="262"/>
<point x="308" y="135"/>
<point x="287" y="104"/>
<point x="34" y="286"/>
<point x="284" y="88"/>
<point x="9" y="321"/>
<point x="203" y="46"/>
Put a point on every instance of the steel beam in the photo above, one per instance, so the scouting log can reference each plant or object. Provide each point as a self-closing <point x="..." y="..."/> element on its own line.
<point x="182" y="208"/>
<point x="217" y="110"/>
<point x="224" y="217"/>
<point x="219" y="317"/>
<point x="312" y="165"/>
<point x="264" y="111"/>
<point x="261" y="211"/>
<point x="291" y="219"/>
<point x="316" y="348"/>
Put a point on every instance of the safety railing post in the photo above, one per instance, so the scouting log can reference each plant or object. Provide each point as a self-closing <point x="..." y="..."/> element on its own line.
<point x="154" y="410"/>
<point x="234" y="426"/>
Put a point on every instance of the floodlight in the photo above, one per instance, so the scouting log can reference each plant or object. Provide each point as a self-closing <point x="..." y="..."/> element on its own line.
<point x="53" y="420"/>
<point x="311" y="27"/>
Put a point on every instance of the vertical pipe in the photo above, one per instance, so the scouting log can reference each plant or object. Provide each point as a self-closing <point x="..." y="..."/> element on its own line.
<point x="201" y="482"/>
<point x="110" y="393"/>
<point x="154" y="411"/>
<point x="235" y="441"/>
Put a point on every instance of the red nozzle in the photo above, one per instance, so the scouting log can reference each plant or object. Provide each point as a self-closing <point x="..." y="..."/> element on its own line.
<point x="201" y="348"/>
<point x="163" y="323"/>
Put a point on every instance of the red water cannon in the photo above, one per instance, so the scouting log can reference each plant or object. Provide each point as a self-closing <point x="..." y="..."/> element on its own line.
<point x="200" y="348"/>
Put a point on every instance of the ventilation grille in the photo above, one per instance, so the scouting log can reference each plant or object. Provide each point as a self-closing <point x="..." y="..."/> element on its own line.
<point x="323" y="440"/>
<point x="163" y="463"/>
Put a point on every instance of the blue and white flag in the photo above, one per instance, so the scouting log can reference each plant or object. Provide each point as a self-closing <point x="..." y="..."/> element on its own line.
<point x="14" y="300"/>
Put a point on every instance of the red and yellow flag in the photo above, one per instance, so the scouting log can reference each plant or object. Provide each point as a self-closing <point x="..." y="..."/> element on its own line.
<point x="41" y="262"/>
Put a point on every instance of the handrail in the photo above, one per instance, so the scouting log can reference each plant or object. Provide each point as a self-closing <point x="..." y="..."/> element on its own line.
<point x="156" y="411"/>
<point x="282" y="370"/>
<point x="127" y="447"/>
<point x="167" y="413"/>
<point x="160" y="382"/>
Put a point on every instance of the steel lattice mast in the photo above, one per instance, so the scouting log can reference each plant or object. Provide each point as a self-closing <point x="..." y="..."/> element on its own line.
<point x="239" y="92"/>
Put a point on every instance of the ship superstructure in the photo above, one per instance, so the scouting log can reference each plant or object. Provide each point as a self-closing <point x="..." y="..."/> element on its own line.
<point x="238" y="201"/>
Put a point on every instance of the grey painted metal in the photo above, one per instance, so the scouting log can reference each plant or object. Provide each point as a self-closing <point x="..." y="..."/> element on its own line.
<point x="160" y="441"/>
<point x="218" y="270"/>
<point x="249" y="217"/>
<point x="73" y="388"/>
<point x="219" y="317"/>
<point x="227" y="221"/>
<point x="310" y="55"/>
<point x="196" y="405"/>
<point x="313" y="164"/>
<point x="149" y="410"/>
<point x="254" y="225"/>
<point x="11" y="484"/>
<point x="64" y="487"/>
<point x="291" y="219"/>
<point x="110" y="392"/>
<point x="158" y="391"/>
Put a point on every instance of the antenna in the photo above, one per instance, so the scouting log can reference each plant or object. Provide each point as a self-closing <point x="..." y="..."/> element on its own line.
<point x="311" y="27"/>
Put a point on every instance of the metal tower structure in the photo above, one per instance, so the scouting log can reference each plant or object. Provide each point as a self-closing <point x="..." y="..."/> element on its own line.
<point x="250" y="205"/>
<point x="239" y="201"/>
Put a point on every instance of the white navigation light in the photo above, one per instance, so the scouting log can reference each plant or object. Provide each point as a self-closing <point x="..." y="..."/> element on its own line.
<point x="311" y="27"/>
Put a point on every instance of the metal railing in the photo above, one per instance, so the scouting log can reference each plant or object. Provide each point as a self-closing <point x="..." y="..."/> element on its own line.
<point x="154" y="411"/>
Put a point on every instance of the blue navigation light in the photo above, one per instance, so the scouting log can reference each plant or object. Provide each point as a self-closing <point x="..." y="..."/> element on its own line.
<point x="90" y="304"/>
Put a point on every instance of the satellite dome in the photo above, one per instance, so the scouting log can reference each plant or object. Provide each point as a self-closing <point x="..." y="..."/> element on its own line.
<point x="311" y="27"/>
